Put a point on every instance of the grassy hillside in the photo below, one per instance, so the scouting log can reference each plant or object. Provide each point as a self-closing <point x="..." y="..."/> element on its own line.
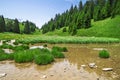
<point x="104" y="28"/>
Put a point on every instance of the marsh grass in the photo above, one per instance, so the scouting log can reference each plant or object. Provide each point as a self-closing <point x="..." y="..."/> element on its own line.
<point x="23" y="54"/>
<point x="27" y="39"/>
<point x="45" y="45"/>
<point x="16" y="43"/>
<point x="39" y="56"/>
<point x="1" y="50"/>
<point x="22" y="47"/>
<point x="43" y="59"/>
<point x="22" y="57"/>
<point x="60" y="49"/>
<point x="6" y="46"/>
<point x="104" y="54"/>
<point x="57" y="54"/>
<point x="4" y="56"/>
<point x="67" y="39"/>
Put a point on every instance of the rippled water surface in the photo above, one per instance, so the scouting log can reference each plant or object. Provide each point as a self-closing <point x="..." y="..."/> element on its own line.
<point x="68" y="68"/>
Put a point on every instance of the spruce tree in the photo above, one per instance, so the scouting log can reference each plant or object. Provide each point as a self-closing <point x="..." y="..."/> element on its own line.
<point x="2" y="24"/>
<point x="27" y="28"/>
<point x="9" y="26"/>
<point x="80" y="6"/>
<point x="16" y="26"/>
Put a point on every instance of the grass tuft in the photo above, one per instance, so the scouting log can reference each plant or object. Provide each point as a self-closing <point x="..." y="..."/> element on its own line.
<point x="43" y="59"/>
<point x="57" y="54"/>
<point x="104" y="54"/>
<point x="60" y="49"/>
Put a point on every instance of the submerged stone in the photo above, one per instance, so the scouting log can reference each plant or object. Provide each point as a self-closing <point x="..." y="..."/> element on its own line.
<point x="3" y="74"/>
<point x="107" y="69"/>
<point x="92" y="65"/>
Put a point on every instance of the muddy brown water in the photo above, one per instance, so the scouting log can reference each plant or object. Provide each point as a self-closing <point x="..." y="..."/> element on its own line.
<point x="68" y="68"/>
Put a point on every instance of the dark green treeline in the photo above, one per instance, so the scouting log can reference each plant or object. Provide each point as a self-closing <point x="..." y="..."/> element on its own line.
<point x="13" y="25"/>
<point x="80" y="16"/>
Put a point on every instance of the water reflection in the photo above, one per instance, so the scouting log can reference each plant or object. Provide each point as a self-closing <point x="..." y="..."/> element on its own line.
<point x="70" y="67"/>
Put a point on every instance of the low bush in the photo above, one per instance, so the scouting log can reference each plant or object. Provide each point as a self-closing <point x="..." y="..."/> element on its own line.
<point x="104" y="54"/>
<point x="64" y="29"/>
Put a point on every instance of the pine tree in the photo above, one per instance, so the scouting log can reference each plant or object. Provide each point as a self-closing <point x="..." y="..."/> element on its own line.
<point x="2" y="24"/>
<point x="108" y="8"/>
<point x="9" y="26"/>
<point x="27" y="28"/>
<point x="16" y="26"/>
<point x="80" y="6"/>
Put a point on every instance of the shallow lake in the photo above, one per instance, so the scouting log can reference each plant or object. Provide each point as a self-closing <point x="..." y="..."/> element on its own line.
<point x="70" y="67"/>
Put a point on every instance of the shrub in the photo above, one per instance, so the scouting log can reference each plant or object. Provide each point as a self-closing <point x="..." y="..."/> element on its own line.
<point x="104" y="54"/>
<point x="43" y="59"/>
<point x="57" y="54"/>
<point x="64" y="29"/>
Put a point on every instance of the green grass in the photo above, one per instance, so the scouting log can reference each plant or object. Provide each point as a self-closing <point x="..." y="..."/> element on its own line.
<point x="57" y="53"/>
<point x="39" y="56"/>
<point x="104" y="28"/>
<point x="104" y="31"/>
<point x="4" y="56"/>
<point x="56" y="39"/>
<point x="67" y="39"/>
<point x="20" y="48"/>
<point x="60" y="49"/>
<point x="6" y="46"/>
<point x="104" y="54"/>
<point x="23" y="56"/>
<point x="43" y="59"/>
<point x="1" y="51"/>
